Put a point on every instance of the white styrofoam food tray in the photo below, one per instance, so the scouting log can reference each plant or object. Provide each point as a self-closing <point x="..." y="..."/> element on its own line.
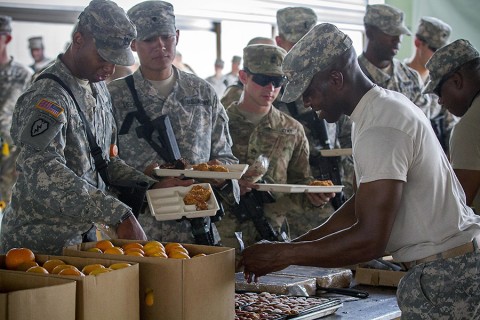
<point x="167" y="203"/>
<point x="235" y="172"/>
<point x="298" y="188"/>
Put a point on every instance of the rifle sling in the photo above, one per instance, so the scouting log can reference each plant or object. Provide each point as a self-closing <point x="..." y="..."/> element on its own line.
<point x="100" y="163"/>
<point x="142" y="117"/>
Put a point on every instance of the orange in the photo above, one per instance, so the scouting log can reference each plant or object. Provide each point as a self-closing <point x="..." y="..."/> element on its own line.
<point x="104" y="245"/>
<point x="99" y="270"/>
<point x="119" y="265"/>
<point x="153" y="250"/>
<point x="94" y="249"/>
<point x="60" y="267"/>
<point x="199" y="255"/>
<point x="149" y="298"/>
<point x="134" y="253"/>
<point x="152" y="243"/>
<point x="38" y="269"/>
<point x="26" y="265"/>
<point x="17" y="256"/>
<point x="52" y="263"/>
<point x="134" y="250"/>
<point x="130" y="245"/>
<point x="113" y="250"/>
<point x="71" y="272"/>
<point x="160" y="254"/>
<point x="178" y="255"/>
<point x="90" y="267"/>
<point x="170" y="245"/>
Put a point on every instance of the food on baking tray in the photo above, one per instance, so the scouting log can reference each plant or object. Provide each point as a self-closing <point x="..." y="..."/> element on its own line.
<point x="249" y="304"/>
<point x="218" y="168"/>
<point x="198" y="196"/>
<point x="180" y="164"/>
<point x="322" y="183"/>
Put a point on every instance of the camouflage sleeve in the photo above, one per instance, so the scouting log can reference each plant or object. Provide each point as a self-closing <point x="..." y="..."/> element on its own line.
<point x="221" y="140"/>
<point x="120" y="171"/>
<point x="54" y="175"/>
<point x="299" y="167"/>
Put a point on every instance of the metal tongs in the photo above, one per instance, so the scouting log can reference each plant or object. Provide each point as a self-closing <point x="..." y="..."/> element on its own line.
<point x="345" y="291"/>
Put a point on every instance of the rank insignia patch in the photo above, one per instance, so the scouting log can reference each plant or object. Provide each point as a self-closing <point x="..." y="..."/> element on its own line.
<point x="38" y="127"/>
<point x="50" y="107"/>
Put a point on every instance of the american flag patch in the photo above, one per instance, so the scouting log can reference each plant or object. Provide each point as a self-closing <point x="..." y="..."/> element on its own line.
<point x="50" y="107"/>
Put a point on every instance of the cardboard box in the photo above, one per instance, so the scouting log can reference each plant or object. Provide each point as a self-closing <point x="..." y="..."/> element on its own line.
<point x="107" y="296"/>
<point x="377" y="277"/>
<point x="184" y="289"/>
<point x="26" y="296"/>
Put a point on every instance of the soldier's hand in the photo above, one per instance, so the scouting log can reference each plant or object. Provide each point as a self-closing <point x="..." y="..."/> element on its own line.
<point x="246" y="186"/>
<point x="169" y="182"/>
<point x="319" y="199"/>
<point x="130" y="228"/>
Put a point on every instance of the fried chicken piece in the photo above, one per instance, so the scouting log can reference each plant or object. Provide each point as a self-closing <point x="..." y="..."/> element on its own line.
<point x="322" y="183"/>
<point x="217" y="168"/>
<point x="201" y="166"/>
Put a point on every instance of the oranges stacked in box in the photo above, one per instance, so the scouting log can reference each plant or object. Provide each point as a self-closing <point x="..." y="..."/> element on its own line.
<point x="152" y="248"/>
<point x="23" y="259"/>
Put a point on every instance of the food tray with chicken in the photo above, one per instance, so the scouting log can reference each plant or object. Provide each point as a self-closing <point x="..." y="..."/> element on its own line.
<point x="290" y="307"/>
<point x="174" y="203"/>
<point x="224" y="171"/>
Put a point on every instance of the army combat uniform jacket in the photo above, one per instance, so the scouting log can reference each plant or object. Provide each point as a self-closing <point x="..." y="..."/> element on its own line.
<point x="403" y="79"/>
<point x="282" y="140"/>
<point x="199" y="122"/>
<point x="59" y="192"/>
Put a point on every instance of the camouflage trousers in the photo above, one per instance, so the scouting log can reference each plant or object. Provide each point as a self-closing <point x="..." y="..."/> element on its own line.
<point x="442" y="289"/>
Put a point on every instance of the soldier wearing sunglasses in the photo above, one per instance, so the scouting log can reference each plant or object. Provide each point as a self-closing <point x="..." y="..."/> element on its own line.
<point x="257" y="128"/>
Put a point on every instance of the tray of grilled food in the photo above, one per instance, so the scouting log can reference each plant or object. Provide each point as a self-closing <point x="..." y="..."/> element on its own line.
<point x="264" y="305"/>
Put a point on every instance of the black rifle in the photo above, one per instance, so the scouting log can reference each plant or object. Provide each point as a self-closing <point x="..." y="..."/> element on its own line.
<point x="160" y="136"/>
<point x="329" y="167"/>
<point x="251" y="208"/>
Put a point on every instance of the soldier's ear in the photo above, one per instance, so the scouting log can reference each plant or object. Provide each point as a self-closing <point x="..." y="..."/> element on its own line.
<point x="243" y="76"/>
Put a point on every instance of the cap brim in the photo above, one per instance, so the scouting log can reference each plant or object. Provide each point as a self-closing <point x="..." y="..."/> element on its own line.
<point x="398" y="31"/>
<point x="430" y="87"/>
<point x="294" y="89"/>
<point x="121" y="57"/>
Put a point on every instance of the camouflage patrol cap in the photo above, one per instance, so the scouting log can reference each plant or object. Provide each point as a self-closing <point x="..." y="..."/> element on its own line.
<point x="312" y="54"/>
<point x="35" y="43"/>
<point x="294" y="22"/>
<point x="433" y="31"/>
<point x="5" y="24"/>
<point x="152" y="19"/>
<point x="447" y="60"/>
<point x="387" y="18"/>
<point x="236" y="59"/>
<point x="263" y="59"/>
<point x="111" y="29"/>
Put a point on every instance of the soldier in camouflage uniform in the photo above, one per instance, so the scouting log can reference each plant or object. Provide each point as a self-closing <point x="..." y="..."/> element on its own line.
<point x="259" y="129"/>
<point x="384" y="28"/>
<point x="293" y="23"/>
<point x="432" y="34"/>
<point x="59" y="192"/>
<point x="407" y="201"/>
<point x="455" y="78"/>
<point x="14" y="79"/>
<point x="198" y="119"/>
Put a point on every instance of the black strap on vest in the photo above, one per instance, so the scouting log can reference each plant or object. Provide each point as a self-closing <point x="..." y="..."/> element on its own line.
<point x="167" y="151"/>
<point x="100" y="163"/>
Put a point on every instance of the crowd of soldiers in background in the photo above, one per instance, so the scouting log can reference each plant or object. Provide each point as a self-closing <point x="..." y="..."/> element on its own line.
<point x="377" y="61"/>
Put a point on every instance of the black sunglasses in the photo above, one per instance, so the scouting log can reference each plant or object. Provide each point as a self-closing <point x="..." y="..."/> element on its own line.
<point x="263" y="80"/>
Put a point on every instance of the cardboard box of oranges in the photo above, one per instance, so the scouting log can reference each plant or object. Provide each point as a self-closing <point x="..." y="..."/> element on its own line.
<point x="177" y="281"/>
<point x="27" y="296"/>
<point x="109" y="295"/>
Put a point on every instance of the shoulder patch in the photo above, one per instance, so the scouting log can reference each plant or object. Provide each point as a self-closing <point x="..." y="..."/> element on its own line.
<point x="49" y="107"/>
